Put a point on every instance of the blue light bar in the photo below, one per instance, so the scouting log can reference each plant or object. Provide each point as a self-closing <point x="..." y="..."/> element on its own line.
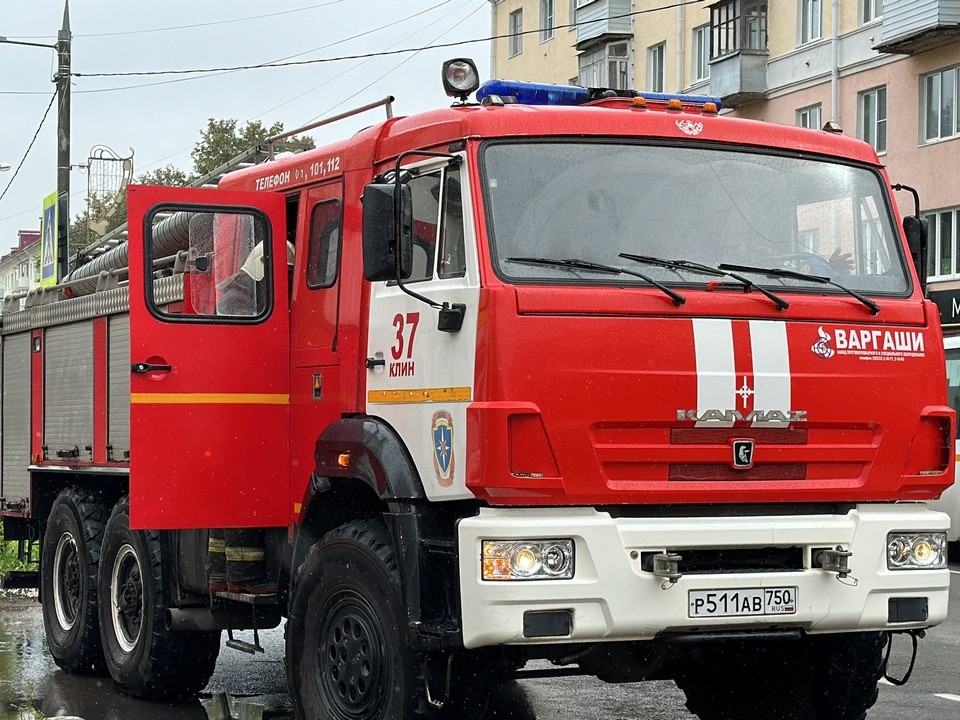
<point x="528" y="93"/>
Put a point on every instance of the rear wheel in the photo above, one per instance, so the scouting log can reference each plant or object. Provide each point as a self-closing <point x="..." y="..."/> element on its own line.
<point x="817" y="678"/>
<point x="144" y="656"/>
<point x="68" y="577"/>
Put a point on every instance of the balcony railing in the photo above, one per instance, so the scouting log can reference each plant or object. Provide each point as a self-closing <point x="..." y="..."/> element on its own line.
<point x="740" y="77"/>
<point x="913" y="26"/>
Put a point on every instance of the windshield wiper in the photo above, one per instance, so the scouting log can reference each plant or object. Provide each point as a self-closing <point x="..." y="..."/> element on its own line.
<point x="575" y="264"/>
<point x="783" y="272"/>
<point x="707" y="270"/>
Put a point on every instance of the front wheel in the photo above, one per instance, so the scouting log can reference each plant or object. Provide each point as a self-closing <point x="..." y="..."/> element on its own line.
<point x="347" y="651"/>
<point x="68" y="577"/>
<point x="143" y="655"/>
<point x="831" y="677"/>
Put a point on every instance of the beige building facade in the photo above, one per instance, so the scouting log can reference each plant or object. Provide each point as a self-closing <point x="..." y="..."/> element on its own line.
<point x="887" y="71"/>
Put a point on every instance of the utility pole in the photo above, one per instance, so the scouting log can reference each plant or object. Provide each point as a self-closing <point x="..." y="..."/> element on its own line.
<point x="63" y="145"/>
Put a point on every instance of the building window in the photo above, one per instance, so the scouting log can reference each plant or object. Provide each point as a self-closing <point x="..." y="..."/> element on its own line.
<point x="939" y="92"/>
<point x="870" y="10"/>
<point x="546" y="20"/>
<point x="607" y="66"/>
<point x="811" y="15"/>
<point x="516" y="27"/>
<point x="738" y="25"/>
<point x="942" y="250"/>
<point x="655" y="68"/>
<point x="573" y="15"/>
<point x="809" y="117"/>
<point x="873" y="118"/>
<point x="701" y="53"/>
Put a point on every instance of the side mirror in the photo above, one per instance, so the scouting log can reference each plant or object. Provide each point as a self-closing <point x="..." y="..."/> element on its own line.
<point x="387" y="244"/>
<point x="915" y="229"/>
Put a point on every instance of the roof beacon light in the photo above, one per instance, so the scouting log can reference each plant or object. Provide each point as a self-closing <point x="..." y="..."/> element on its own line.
<point x="529" y="93"/>
<point x="460" y="78"/>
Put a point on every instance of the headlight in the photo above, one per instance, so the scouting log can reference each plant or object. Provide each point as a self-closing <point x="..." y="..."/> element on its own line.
<point x="916" y="551"/>
<point x="528" y="559"/>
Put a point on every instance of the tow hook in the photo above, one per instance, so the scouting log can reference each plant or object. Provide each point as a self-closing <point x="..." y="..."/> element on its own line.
<point x="836" y="561"/>
<point x="667" y="565"/>
<point x="914" y="635"/>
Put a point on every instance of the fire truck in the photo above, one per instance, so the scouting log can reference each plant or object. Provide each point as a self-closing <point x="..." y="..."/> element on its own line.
<point x="592" y="377"/>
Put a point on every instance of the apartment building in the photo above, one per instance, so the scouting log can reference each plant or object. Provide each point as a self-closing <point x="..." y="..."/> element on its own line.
<point x="20" y="268"/>
<point x="887" y="71"/>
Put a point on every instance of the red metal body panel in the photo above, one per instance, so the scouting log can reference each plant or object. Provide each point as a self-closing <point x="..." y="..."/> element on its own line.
<point x="36" y="395"/>
<point x="100" y="390"/>
<point x="206" y="450"/>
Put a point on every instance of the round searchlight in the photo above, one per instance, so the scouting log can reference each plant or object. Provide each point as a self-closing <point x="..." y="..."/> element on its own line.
<point x="460" y="78"/>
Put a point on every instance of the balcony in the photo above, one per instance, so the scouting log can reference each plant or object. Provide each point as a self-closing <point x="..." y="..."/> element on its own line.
<point x="914" y="26"/>
<point x="739" y="78"/>
<point x="602" y="20"/>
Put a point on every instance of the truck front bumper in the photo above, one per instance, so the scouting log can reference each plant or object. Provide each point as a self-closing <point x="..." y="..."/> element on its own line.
<point x="612" y="598"/>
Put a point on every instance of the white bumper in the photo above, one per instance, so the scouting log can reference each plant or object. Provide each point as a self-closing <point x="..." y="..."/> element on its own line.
<point x="611" y="598"/>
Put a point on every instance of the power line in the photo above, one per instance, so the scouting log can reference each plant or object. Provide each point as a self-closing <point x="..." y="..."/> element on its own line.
<point x="383" y="53"/>
<point x="288" y="57"/>
<point x="186" y="27"/>
<point x="398" y="65"/>
<point x="30" y="146"/>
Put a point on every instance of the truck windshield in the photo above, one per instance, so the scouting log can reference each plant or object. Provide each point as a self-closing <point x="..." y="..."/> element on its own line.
<point x="592" y="201"/>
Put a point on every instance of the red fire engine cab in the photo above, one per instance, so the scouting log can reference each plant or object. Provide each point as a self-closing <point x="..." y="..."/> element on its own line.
<point x="597" y="377"/>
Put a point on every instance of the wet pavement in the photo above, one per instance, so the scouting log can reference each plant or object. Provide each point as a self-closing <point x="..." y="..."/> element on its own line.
<point x="248" y="687"/>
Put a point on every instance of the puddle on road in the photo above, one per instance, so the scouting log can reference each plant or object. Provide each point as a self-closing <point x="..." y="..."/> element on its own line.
<point x="33" y="688"/>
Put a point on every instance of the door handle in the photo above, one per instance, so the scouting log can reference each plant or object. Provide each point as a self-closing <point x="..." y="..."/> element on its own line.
<point x="375" y="362"/>
<point x="143" y="367"/>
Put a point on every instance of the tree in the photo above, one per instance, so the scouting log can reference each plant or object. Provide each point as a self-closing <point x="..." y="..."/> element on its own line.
<point x="222" y="140"/>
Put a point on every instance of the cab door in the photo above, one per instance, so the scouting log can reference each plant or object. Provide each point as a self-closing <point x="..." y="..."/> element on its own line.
<point x="210" y="359"/>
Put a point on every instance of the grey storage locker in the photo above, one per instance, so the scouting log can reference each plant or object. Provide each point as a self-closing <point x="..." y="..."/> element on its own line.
<point x="118" y="386"/>
<point x="68" y="389"/>
<point x="15" y="480"/>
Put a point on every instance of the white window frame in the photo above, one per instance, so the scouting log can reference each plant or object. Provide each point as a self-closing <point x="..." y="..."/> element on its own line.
<point x="515" y="29"/>
<point x="936" y="86"/>
<point x="810" y="116"/>
<point x="870" y="11"/>
<point x="701" y="53"/>
<point x="547" y="19"/>
<point x="871" y="126"/>
<point x="935" y="242"/>
<point x="573" y="16"/>
<point x="595" y="65"/>
<point x="809" y="21"/>
<point x="657" y="67"/>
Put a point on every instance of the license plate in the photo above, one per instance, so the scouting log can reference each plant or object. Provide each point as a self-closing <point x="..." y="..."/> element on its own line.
<point x="743" y="602"/>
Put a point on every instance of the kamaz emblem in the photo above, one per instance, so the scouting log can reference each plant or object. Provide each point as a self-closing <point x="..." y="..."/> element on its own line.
<point x="742" y="454"/>
<point x="729" y="416"/>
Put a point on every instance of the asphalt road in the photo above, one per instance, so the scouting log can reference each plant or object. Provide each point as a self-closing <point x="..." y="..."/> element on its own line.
<point x="32" y="688"/>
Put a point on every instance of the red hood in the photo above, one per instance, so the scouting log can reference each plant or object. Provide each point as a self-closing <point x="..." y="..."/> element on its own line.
<point x="613" y="396"/>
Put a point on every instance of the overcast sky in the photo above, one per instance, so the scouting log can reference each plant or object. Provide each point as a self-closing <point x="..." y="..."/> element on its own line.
<point x="162" y="122"/>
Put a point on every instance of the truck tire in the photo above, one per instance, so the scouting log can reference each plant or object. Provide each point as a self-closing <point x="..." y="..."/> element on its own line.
<point x="817" y="678"/>
<point x="347" y="652"/>
<point x="144" y="656"/>
<point x="68" y="580"/>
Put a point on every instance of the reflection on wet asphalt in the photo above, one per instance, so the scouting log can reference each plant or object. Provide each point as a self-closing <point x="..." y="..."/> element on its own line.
<point x="33" y="688"/>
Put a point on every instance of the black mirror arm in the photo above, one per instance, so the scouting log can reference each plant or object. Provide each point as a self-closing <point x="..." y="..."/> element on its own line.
<point x="451" y="316"/>
<point x="912" y="191"/>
